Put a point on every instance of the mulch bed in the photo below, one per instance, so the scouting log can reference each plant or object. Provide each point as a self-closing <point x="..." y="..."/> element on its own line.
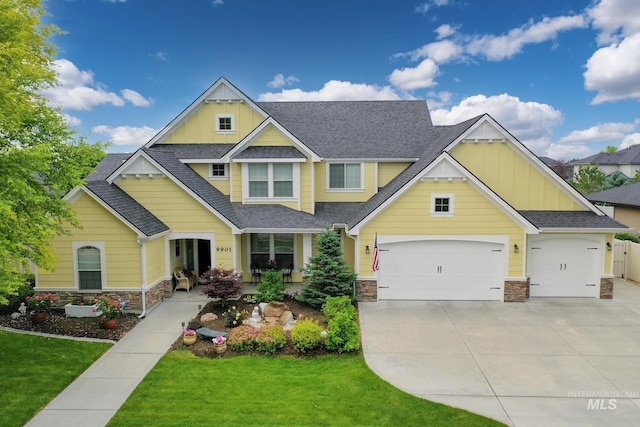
<point x="58" y="323"/>
<point x="204" y="347"/>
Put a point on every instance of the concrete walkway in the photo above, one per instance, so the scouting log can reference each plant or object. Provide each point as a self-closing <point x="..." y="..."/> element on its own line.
<point x="546" y="362"/>
<point x="97" y="394"/>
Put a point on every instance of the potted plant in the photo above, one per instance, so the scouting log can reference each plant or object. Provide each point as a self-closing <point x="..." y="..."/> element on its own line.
<point x="111" y="309"/>
<point x="40" y="305"/>
<point x="189" y="337"/>
<point x="219" y="344"/>
<point x="82" y="307"/>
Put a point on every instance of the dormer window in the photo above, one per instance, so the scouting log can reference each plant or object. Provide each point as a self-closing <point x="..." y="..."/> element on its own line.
<point x="225" y="124"/>
<point x="218" y="171"/>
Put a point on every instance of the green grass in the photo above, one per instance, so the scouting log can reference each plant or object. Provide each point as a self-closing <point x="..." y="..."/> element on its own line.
<point x="339" y="390"/>
<point x="36" y="369"/>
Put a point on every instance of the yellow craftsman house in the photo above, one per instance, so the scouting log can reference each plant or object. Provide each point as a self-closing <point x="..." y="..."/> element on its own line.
<point x="462" y="212"/>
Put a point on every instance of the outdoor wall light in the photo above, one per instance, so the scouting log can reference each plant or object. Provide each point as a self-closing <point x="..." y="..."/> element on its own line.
<point x="609" y="246"/>
<point x="366" y="249"/>
<point x="516" y="249"/>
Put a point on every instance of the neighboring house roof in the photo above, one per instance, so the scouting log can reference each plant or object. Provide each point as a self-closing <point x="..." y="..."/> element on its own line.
<point x="577" y="220"/>
<point x="125" y="206"/>
<point x="273" y="217"/>
<point x="548" y="160"/>
<point x="627" y="156"/>
<point x="194" y="182"/>
<point x="626" y="195"/>
<point x="373" y="129"/>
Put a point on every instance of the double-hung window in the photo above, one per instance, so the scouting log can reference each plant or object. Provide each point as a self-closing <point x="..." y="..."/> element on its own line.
<point x="345" y="176"/>
<point x="89" y="260"/>
<point x="270" y="180"/>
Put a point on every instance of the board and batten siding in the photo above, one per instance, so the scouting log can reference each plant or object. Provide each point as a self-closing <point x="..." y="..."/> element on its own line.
<point x="512" y="177"/>
<point x="200" y="126"/>
<point x="473" y="215"/>
<point x="179" y="211"/>
<point x="122" y="252"/>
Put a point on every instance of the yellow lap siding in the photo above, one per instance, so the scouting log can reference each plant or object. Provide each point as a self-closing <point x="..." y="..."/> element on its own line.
<point x="179" y="211"/>
<point x="473" y="215"/>
<point x="154" y="251"/>
<point x="388" y="171"/>
<point x="122" y="252"/>
<point x="221" y="184"/>
<point x="370" y="185"/>
<point x="512" y="177"/>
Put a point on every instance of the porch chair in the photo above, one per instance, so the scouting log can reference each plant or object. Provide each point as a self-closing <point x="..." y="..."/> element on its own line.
<point x="183" y="281"/>
<point x="287" y="274"/>
<point x="256" y="274"/>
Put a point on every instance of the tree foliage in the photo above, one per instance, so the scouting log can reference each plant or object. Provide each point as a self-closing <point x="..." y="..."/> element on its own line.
<point x="41" y="157"/>
<point x="616" y="179"/>
<point x="327" y="274"/>
<point x="589" y="179"/>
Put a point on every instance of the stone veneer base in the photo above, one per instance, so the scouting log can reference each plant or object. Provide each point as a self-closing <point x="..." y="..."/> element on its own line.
<point x="516" y="290"/>
<point x="367" y="290"/>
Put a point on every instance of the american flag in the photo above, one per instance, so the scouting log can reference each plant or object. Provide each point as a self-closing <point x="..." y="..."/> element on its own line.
<point x="376" y="261"/>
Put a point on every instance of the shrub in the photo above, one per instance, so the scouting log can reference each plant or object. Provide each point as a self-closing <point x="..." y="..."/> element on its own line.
<point x="242" y="338"/>
<point x="306" y="335"/>
<point x="271" y="287"/>
<point x="335" y="305"/>
<point x="343" y="334"/>
<point x="23" y="291"/>
<point x="222" y="283"/>
<point x="270" y="339"/>
<point x="628" y="236"/>
<point x="234" y="316"/>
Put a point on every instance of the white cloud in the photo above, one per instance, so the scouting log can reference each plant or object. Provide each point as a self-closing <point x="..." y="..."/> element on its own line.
<point x="279" y="80"/>
<point x="498" y="48"/>
<point x="334" y="90"/>
<point x="606" y="132"/>
<point x="568" y="151"/>
<point x="424" y="7"/>
<point x="217" y="3"/>
<point x="629" y="140"/>
<point x="531" y="122"/>
<point x="135" y="98"/>
<point x="126" y="135"/>
<point x="615" y="19"/>
<point x="419" y="77"/>
<point x="613" y="71"/>
<point x="71" y="120"/>
<point x="160" y="56"/>
<point x="441" y="52"/>
<point x="445" y="30"/>
<point x="77" y="90"/>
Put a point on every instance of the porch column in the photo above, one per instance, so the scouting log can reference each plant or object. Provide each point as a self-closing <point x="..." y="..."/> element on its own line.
<point x="307" y="246"/>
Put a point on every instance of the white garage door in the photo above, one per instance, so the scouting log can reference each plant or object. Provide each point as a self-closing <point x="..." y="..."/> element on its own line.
<point x="441" y="270"/>
<point x="565" y="266"/>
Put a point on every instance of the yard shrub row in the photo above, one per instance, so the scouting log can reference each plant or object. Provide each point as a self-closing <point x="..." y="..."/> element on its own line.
<point x="266" y="340"/>
<point x="306" y="335"/>
<point x="343" y="334"/>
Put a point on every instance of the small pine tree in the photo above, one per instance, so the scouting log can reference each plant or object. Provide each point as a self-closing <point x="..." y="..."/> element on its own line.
<point x="327" y="274"/>
<point x="589" y="179"/>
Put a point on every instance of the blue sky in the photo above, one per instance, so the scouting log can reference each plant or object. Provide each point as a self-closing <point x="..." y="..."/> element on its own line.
<point x="562" y="76"/>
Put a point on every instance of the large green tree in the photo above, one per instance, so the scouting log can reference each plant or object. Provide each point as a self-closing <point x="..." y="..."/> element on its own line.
<point x="327" y="274"/>
<point x="41" y="157"/>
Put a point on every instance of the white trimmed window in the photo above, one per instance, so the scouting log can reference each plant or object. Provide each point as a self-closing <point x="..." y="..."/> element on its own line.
<point x="442" y="205"/>
<point x="225" y="123"/>
<point x="88" y="260"/>
<point x="344" y="176"/>
<point x="218" y="171"/>
<point x="270" y="180"/>
<point x="277" y="246"/>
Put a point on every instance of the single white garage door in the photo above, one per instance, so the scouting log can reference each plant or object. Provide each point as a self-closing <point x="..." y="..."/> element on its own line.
<point x="442" y="270"/>
<point x="565" y="265"/>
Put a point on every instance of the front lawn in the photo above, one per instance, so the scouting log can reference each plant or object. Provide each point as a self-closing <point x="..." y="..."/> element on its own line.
<point x="257" y="390"/>
<point x="36" y="369"/>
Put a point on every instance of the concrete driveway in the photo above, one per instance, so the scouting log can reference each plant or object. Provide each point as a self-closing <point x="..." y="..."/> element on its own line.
<point x="551" y="361"/>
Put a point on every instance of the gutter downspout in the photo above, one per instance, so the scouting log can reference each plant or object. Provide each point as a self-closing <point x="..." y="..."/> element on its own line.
<point x="143" y="274"/>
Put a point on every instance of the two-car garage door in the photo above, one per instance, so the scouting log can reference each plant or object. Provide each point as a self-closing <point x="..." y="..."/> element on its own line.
<point x="442" y="270"/>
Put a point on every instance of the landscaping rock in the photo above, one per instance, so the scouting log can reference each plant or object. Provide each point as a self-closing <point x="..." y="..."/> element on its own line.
<point x="275" y="309"/>
<point x="15" y="315"/>
<point x="208" y="317"/>
<point x="262" y="306"/>
<point x="286" y="319"/>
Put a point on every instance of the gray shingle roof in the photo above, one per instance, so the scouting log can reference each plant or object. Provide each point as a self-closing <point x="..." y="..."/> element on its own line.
<point x="277" y="217"/>
<point x="571" y="219"/>
<point x="207" y="192"/>
<point x="197" y="151"/>
<point x="337" y="212"/>
<point x="626" y="195"/>
<point x="109" y="163"/>
<point x="357" y="129"/>
<point x="127" y="207"/>
<point x="259" y="152"/>
<point x="627" y="156"/>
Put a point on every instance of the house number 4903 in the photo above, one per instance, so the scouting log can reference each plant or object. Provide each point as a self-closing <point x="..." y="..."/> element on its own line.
<point x="223" y="249"/>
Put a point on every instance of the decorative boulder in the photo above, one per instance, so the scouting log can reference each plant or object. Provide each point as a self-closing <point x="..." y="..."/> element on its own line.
<point x="275" y="309"/>
<point x="15" y="315"/>
<point x="208" y="317"/>
<point x="262" y="306"/>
